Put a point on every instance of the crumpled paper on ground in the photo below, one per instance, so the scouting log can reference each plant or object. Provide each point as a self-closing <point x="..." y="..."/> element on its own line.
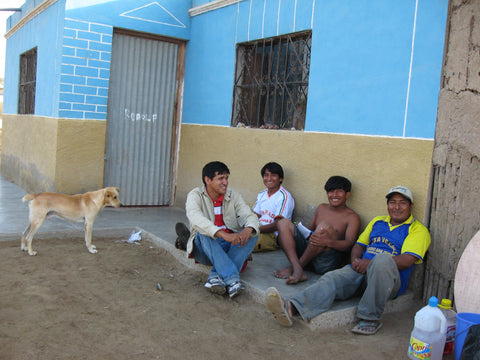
<point x="134" y="237"/>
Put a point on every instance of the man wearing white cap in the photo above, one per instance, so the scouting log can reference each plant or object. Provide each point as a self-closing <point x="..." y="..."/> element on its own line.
<point x="381" y="263"/>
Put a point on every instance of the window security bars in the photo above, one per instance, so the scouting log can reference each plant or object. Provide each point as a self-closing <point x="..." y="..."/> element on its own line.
<point x="271" y="82"/>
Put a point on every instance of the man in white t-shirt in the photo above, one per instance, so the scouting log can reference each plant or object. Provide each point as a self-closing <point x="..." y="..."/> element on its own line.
<point x="273" y="203"/>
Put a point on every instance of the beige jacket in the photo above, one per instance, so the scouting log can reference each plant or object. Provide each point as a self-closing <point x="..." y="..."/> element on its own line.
<point x="237" y="215"/>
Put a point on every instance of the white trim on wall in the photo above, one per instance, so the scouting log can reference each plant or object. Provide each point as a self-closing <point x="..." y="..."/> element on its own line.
<point x="410" y="69"/>
<point x="211" y="6"/>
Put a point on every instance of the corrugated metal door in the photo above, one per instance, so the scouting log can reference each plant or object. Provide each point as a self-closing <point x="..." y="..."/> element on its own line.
<point x="141" y="119"/>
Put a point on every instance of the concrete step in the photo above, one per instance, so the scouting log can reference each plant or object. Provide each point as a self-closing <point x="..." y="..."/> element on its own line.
<point x="345" y="312"/>
<point x="258" y="277"/>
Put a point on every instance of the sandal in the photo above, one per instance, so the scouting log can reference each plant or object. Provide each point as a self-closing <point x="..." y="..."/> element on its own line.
<point x="276" y="306"/>
<point x="367" y="327"/>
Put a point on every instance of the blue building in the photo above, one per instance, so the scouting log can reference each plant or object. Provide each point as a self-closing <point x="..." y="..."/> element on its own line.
<point x="140" y="94"/>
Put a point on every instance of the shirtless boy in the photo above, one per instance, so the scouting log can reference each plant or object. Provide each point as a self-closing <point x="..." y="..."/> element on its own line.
<point x="333" y="231"/>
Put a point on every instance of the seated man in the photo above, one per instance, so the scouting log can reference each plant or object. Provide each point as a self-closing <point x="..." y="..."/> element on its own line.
<point x="382" y="261"/>
<point x="321" y="245"/>
<point x="273" y="203"/>
<point x="223" y="229"/>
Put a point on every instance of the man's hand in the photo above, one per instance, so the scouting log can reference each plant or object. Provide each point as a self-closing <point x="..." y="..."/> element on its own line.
<point x="232" y="238"/>
<point x="323" y="236"/>
<point x="240" y="238"/>
<point x="360" y="265"/>
<point x="319" y="239"/>
<point x="244" y="235"/>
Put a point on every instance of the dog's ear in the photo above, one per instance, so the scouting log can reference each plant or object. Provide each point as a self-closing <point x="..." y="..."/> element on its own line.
<point x="116" y="188"/>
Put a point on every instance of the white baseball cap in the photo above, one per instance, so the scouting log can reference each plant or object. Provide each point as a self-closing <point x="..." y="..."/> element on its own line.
<point x="402" y="190"/>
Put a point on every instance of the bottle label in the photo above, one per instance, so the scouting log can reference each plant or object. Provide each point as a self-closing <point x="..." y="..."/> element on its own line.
<point x="419" y="349"/>
<point x="451" y="332"/>
<point x="450" y="341"/>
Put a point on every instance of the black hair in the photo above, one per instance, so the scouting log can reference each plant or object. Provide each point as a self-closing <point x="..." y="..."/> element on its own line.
<point x="274" y="168"/>
<point x="214" y="168"/>
<point x="338" y="182"/>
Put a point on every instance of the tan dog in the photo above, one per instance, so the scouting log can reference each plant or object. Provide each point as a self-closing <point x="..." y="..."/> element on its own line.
<point x="76" y="208"/>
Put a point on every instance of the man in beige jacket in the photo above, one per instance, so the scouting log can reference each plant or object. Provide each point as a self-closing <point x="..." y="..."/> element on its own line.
<point x="223" y="229"/>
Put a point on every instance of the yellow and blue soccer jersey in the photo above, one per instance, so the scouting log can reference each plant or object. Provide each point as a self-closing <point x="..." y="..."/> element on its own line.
<point x="410" y="237"/>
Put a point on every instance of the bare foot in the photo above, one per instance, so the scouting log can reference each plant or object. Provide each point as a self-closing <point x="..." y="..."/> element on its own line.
<point x="296" y="278"/>
<point x="283" y="273"/>
<point x="291" y="310"/>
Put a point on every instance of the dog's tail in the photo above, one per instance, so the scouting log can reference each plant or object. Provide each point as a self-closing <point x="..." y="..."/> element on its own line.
<point x="28" y="197"/>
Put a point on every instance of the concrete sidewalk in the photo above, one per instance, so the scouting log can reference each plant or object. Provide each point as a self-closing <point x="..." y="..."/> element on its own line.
<point x="158" y="226"/>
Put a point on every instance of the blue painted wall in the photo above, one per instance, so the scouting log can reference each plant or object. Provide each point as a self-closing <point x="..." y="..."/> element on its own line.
<point x="45" y="33"/>
<point x="362" y="71"/>
<point x="361" y="68"/>
<point x="375" y="64"/>
<point x="85" y="70"/>
<point x="74" y="40"/>
<point x="209" y="68"/>
<point x="200" y="2"/>
<point x="166" y="17"/>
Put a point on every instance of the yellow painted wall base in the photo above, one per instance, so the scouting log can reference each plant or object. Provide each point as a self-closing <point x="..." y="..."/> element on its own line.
<point x="48" y="154"/>
<point x="373" y="165"/>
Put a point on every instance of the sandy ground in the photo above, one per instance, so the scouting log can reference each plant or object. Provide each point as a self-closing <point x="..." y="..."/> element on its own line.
<point x="66" y="303"/>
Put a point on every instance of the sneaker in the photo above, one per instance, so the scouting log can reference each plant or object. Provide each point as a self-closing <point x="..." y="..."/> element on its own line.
<point x="183" y="235"/>
<point x="235" y="289"/>
<point x="216" y="285"/>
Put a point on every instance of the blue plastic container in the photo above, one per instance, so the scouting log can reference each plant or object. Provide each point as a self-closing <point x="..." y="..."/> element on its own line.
<point x="464" y="321"/>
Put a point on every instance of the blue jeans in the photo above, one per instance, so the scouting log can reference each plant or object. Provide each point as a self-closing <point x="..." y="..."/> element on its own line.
<point x="382" y="283"/>
<point x="226" y="260"/>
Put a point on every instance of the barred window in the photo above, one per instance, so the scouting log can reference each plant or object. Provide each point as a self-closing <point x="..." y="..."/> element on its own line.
<point x="27" y="83"/>
<point x="271" y="82"/>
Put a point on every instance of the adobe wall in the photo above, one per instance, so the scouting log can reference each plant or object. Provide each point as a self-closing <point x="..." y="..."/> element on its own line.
<point x="455" y="199"/>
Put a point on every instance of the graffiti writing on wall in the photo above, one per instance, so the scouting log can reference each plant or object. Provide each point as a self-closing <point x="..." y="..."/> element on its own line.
<point x="136" y="116"/>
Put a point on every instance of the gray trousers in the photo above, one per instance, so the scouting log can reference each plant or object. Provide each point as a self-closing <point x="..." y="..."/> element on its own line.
<point x="381" y="283"/>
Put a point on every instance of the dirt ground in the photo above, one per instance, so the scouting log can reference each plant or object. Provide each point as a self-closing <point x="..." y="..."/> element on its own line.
<point x="66" y="303"/>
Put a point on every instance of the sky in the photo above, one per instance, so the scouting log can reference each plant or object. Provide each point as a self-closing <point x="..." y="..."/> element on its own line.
<point x="4" y="4"/>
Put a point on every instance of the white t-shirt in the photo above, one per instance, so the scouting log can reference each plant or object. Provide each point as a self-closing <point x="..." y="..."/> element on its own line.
<point x="280" y="203"/>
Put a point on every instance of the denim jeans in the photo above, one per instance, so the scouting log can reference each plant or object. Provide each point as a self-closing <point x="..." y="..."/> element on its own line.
<point x="382" y="283"/>
<point x="226" y="260"/>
